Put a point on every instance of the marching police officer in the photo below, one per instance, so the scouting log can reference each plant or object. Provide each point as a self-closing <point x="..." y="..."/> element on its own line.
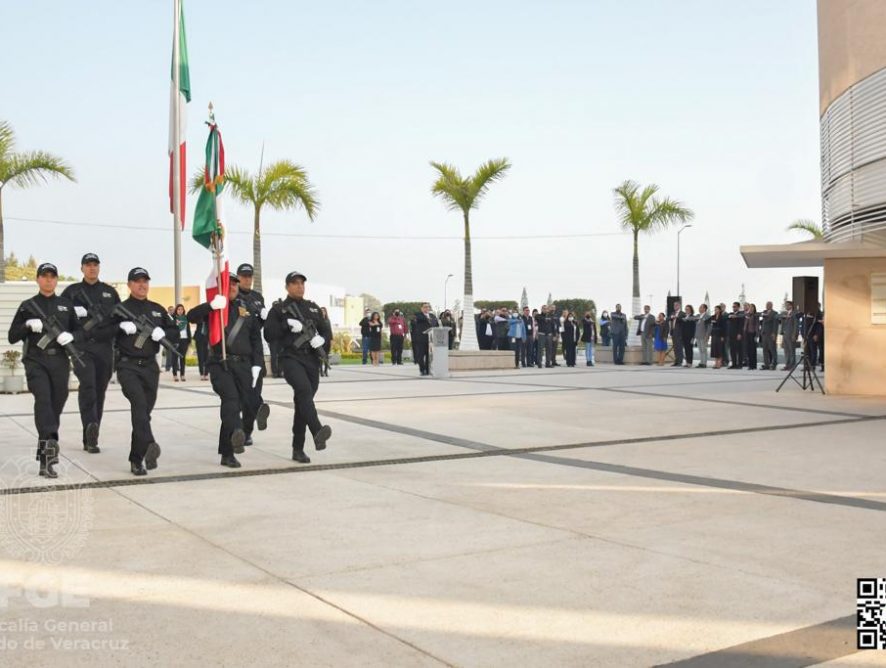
<point x="93" y="303"/>
<point x="255" y="303"/>
<point x="234" y="378"/>
<point x="46" y="323"/>
<point x="297" y="325"/>
<point x="142" y="326"/>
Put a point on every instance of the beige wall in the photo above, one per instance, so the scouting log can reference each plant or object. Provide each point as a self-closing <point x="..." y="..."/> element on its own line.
<point x="851" y="44"/>
<point x="855" y="350"/>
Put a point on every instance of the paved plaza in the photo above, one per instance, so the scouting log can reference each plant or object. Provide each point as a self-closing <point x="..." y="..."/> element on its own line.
<point x="565" y="517"/>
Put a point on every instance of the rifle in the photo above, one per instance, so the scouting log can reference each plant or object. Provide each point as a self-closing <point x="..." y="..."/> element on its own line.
<point x="145" y="328"/>
<point x="307" y="333"/>
<point x="51" y="331"/>
<point x="97" y="312"/>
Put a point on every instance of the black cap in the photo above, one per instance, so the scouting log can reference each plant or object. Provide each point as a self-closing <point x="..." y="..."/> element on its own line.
<point x="233" y="278"/>
<point x="90" y="257"/>
<point x="293" y="275"/>
<point x="47" y="268"/>
<point x="245" y="269"/>
<point x="137" y="273"/>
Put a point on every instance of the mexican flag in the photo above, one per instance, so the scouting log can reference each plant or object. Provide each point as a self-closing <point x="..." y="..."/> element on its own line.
<point x="208" y="230"/>
<point x="179" y="96"/>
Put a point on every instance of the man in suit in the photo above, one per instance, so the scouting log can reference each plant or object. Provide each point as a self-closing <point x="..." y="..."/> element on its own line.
<point x="790" y="329"/>
<point x="677" y="321"/>
<point x="735" y="331"/>
<point x="769" y="333"/>
<point x="646" y="332"/>
<point x="618" y="327"/>
<point x="424" y="321"/>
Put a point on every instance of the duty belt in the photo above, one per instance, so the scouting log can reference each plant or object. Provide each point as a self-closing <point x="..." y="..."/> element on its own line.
<point x="232" y="358"/>
<point x="138" y="361"/>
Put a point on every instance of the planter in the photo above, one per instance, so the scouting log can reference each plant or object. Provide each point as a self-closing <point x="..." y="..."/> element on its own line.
<point x="13" y="384"/>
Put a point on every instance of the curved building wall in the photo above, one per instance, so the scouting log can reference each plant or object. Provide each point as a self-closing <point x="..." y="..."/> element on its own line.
<point x="852" y="76"/>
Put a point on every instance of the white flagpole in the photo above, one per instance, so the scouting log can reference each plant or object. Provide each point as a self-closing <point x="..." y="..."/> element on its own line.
<point x="176" y="158"/>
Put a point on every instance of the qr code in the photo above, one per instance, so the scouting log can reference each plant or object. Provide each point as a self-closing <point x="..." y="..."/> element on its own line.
<point x="871" y="613"/>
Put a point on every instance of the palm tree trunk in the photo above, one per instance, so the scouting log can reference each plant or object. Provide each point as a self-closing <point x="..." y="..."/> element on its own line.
<point x="256" y="251"/>
<point x="469" y="328"/>
<point x="2" y="246"/>
<point x="636" y="307"/>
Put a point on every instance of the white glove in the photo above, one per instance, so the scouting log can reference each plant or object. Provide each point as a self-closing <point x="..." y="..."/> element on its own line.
<point x="218" y="302"/>
<point x="64" y="338"/>
<point x="158" y="333"/>
<point x="256" y="371"/>
<point x="264" y="313"/>
<point x="295" y="325"/>
<point x="128" y="327"/>
<point x="35" y="325"/>
<point x="317" y="341"/>
<point x="80" y="311"/>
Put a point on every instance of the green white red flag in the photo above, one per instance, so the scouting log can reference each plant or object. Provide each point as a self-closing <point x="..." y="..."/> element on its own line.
<point x="208" y="230"/>
<point x="179" y="96"/>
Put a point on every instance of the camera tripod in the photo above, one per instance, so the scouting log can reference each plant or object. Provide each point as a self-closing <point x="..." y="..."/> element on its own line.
<point x="810" y="378"/>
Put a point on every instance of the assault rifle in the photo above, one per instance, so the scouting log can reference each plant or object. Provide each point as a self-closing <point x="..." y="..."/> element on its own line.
<point x="51" y="331"/>
<point x="97" y="313"/>
<point x="144" y="328"/>
<point x="308" y="332"/>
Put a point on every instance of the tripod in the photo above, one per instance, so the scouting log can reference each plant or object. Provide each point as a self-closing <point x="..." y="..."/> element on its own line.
<point x="810" y="378"/>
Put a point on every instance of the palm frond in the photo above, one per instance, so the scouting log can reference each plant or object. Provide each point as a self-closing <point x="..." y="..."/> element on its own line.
<point x="626" y="204"/>
<point x="7" y="140"/>
<point x="452" y="187"/>
<point x="667" y="212"/>
<point x="197" y="181"/>
<point x="241" y="184"/>
<point x="284" y="185"/>
<point x="26" y="169"/>
<point x="812" y="228"/>
<point x="489" y="172"/>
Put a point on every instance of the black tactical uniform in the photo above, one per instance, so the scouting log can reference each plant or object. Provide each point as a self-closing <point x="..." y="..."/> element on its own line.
<point x="97" y="346"/>
<point x="255" y="303"/>
<point x="139" y="374"/>
<point x="47" y="369"/>
<point x="300" y="364"/>
<point x="232" y="381"/>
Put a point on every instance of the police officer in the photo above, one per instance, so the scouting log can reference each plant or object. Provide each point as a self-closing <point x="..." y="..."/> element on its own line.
<point x="234" y="379"/>
<point x="46" y="323"/>
<point x="93" y="303"/>
<point x="141" y="328"/>
<point x="297" y="325"/>
<point x="255" y="303"/>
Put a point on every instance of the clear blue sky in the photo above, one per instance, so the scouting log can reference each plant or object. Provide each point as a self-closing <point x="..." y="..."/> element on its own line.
<point x="715" y="101"/>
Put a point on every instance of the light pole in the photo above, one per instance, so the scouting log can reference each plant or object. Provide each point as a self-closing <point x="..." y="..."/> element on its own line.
<point x="445" y="285"/>
<point x="678" y="257"/>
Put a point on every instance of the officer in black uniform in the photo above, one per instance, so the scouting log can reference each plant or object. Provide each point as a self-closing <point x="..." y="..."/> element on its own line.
<point x="254" y="301"/>
<point x="93" y="302"/>
<point x="137" y="370"/>
<point x="297" y="325"/>
<point x="47" y="324"/>
<point x="234" y="379"/>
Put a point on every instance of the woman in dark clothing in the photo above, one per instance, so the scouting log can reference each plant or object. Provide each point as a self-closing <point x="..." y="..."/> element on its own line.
<point x="688" y="337"/>
<point x="324" y="370"/>
<point x="183" y="343"/>
<point x="589" y="337"/>
<point x="569" y="337"/>
<point x="485" y="331"/>
<point x="375" y="327"/>
<point x="718" y="336"/>
<point x="604" y="328"/>
<point x="751" y="330"/>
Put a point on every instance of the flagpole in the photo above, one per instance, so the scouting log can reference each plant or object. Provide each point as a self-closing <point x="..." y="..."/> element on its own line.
<point x="176" y="157"/>
<point x="217" y="252"/>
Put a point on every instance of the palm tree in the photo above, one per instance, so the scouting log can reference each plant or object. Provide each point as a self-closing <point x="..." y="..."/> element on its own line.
<point x="639" y="210"/>
<point x="23" y="170"/>
<point x="811" y="228"/>
<point x="282" y="186"/>
<point x="463" y="194"/>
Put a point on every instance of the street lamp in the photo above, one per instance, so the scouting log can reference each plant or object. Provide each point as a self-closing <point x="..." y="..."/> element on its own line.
<point x="678" y="257"/>
<point x="445" y="301"/>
